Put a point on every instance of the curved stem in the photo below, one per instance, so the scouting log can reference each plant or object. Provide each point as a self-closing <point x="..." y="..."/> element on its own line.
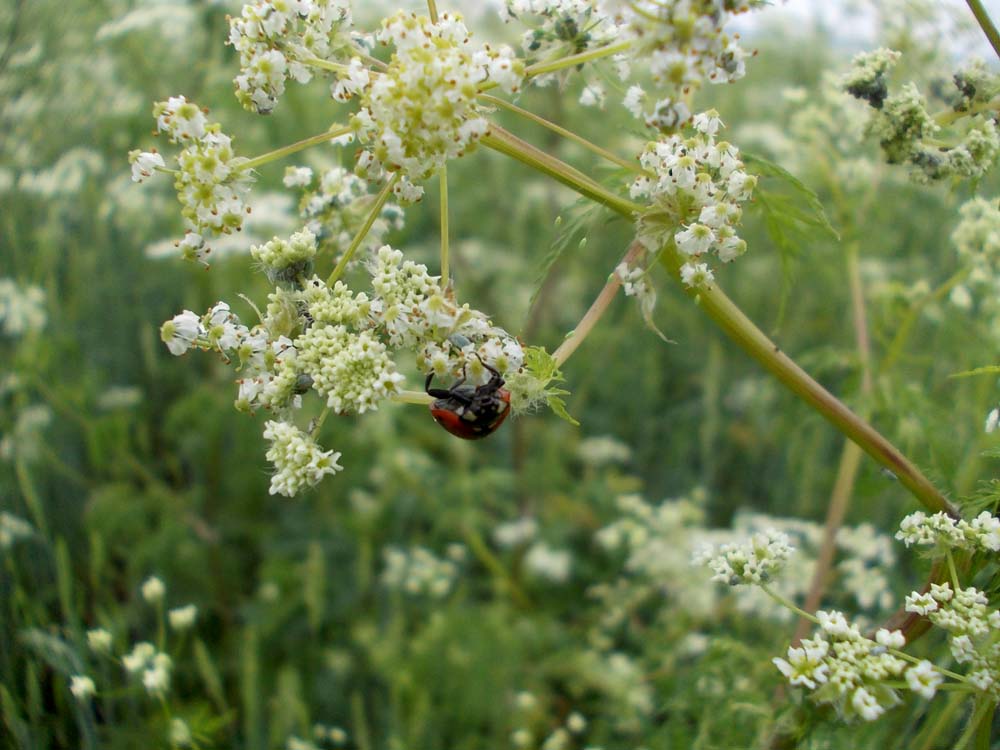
<point x="568" y="134"/>
<point x="732" y="320"/>
<point x="985" y="23"/>
<point x="596" y="311"/>
<point x="363" y="232"/>
<point x="751" y="339"/>
<point x="568" y="62"/>
<point x="329" y="135"/>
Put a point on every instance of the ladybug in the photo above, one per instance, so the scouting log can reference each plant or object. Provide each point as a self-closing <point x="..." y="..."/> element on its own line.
<point x="470" y="412"/>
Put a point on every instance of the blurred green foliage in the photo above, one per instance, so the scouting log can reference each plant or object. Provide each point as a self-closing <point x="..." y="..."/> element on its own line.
<point x="146" y="469"/>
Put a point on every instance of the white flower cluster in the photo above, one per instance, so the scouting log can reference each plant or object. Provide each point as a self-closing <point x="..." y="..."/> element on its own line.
<point x="22" y="308"/>
<point x="287" y="260"/>
<point x="417" y="571"/>
<point x="298" y="460"/>
<point x="155" y="667"/>
<point x="972" y="629"/>
<point x="843" y="668"/>
<point x="12" y="529"/>
<point x="210" y="180"/>
<point x="694" y="190"/>
<point x="26" y="440"/>
<point x="548" y="563"/>
<point x="340" y="345"/>
<point x="943" y="532"/>
<point x="449" y="339"/>
<point x="557" y="28"/>
<point x="278" y="39"/>
<point x="683" y="43"/>
<point x="906" y="130"/>
<point x="754" y="562"/>
<point x="339" y="205"/>
<point x="422" y="110"/>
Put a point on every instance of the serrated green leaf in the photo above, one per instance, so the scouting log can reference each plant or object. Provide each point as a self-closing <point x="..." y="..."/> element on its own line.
<point x="569" y="234"/>
<point x="558" y="407"/>
<point x="792" y="213"/>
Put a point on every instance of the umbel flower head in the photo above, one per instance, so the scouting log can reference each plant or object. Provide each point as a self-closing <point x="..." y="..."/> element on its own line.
<point x="276" y="40"/>
<point x="210" y="180"/>
<point x="694" y="188"/>
<point x="422" y="111"/>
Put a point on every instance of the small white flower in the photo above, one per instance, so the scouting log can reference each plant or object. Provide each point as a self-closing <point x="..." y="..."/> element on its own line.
<point x="890" y="639"/>
<point x="920" y="603"/>
<point x="866" y="705"/>
<point x="576" y="723"/>
<point x="180" y="733"/>
<point x="923" y="679"/>
<point x="144" y="163"/>
<point x="141" y="655"/>
<point x="181" y="332"/>
<point x="153" y="590"/>
<point x="992" y="420"/>
<point x="99" y="640"/>
<point x="182" y="618"/>
<point x="696" y="275"/>
<point x="82" y="687"/>
<point x="297" y="176"/>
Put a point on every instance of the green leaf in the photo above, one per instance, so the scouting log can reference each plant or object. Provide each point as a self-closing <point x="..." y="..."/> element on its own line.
<point x="569" y="233"/>
<point x="530" y="387"/>
<point x="792" y="212"/>
<point x="209" y="675"/>
<point x="16" y="726"/>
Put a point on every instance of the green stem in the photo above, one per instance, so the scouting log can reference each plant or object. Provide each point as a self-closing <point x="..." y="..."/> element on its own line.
<point x="952" y="572"/>
<point x="983" y="710"/>
<point x="986" y="23"/>
<point x="902" y="336"/>
<point x="318" y="424"/>
<point x="568" y="62"/>
<point x="751" y="339"/>
<point x="445" y="276"/>
<point x="318" y="62"/>
<point x="914" y="660"/>
<point x="281" y="153"/>
<point x="569" y="134"/>
<point x="360" y="237"/>
<point x="510" y="145"/>
<point x="432" y="10"/>
<point x="787" y="603"/>
<point x="740" y="328"/>
<point x="492" y="563"/>
<point x="948" y="116"/>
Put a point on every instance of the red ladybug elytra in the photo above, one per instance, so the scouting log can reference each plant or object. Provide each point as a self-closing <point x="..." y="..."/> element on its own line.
<point x="470" y="412"/>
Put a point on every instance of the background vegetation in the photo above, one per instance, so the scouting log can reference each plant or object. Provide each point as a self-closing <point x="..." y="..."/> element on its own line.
<point x="130" y="463"/>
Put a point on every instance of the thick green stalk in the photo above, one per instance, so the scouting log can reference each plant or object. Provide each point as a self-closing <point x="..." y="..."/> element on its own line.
<point x="510" y="145"/>
<point x="731" y="319"/>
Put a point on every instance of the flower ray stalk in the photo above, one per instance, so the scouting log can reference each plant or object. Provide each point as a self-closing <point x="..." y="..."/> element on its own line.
<point x="734" y="322"/>
<point x="578" y="59"/>
<point x="363" y="232"/>
<point x="445" y="275"/>
<point x="632" y="166"/>
<point x="258" y="161"/>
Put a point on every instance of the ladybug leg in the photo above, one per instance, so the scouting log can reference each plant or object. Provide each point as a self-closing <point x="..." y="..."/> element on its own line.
<point x="435" y="392"/>
<point x="495" y="380"/>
